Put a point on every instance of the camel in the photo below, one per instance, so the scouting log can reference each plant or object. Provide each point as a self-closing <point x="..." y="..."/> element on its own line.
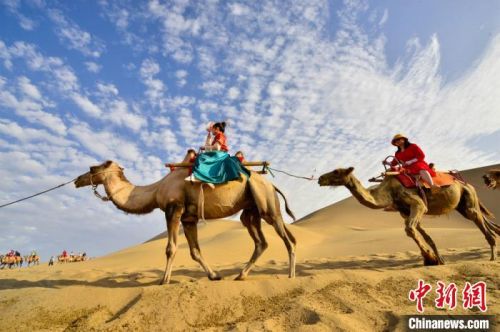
<point x="11" y="261"/>
<point x="492" y="178"/>
<point x="35" y="259"/>
<point x="407" y="201"/>
<point x="63" y="259"/>
<point x="179" y="199"/>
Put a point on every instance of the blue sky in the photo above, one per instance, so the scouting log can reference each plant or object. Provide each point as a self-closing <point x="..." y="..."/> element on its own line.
<point x="307" y="85"/>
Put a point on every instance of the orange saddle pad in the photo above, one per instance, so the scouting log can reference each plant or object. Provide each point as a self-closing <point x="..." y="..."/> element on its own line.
<point x="441" y="179"/>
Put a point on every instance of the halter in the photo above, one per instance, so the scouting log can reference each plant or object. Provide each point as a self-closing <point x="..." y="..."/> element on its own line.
<point x="94" y="187"/>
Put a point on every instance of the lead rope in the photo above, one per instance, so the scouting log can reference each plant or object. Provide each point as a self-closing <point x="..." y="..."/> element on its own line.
<point x="40" y="193"/>
<point x="311" y="178"/>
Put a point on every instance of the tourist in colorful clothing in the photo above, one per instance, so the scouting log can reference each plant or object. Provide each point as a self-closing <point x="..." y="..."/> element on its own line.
<point x="215" y="165"/>
<point x="412" y="158"/>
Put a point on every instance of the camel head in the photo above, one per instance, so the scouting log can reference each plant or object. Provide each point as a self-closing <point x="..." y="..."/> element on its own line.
<point x="97" y="174"/>
<point x="492" y="179"/>
<point x="338" y="177"/>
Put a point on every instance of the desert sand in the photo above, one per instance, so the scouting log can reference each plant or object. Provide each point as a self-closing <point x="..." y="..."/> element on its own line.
<point x="354" y="271"/>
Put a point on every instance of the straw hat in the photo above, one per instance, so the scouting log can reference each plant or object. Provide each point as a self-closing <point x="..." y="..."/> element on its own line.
<point x="396" y="137"/>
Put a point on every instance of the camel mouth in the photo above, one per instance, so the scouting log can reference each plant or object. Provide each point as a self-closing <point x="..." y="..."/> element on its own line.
<point x="323" y="182"/>
<point x="490" y="183"/>
<point x="82" y="181"/>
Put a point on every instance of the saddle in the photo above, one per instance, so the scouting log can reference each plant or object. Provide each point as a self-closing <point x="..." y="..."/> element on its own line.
<point x="442" y="179"/>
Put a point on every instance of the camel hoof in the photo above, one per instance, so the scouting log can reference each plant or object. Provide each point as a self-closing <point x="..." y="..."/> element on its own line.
<point x="432" y="262"/>
<point x="240" y="277"/>
<point x="214" y="276"/>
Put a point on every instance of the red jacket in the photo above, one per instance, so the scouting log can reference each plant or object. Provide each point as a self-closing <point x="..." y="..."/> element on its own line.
<point x="221" y="138"/>
<point x="413" y="152"/>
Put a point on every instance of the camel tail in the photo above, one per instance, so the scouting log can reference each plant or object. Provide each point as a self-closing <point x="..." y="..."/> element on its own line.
<point x="487" y="213"/>
<point x="290" y="213"/>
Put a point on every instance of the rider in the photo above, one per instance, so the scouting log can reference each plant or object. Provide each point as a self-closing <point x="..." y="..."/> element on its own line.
<point x="240" y="156"/>
<point x="215" y="165"/>
<point x="33" y="253"/>
<point x="412" y="158"/>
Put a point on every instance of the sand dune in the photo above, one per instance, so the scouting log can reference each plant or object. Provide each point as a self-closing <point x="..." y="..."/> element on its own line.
<point x="355" y="268"/>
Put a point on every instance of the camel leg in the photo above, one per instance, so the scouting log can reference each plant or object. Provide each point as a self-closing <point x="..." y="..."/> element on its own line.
<point x="472" y="211"/>
<point x="412" y="222"/>
<point x="251" y="220"/>
<point x="173" y="214"/>
<point x="290" y="243"/>
<point x="430" y="242"/>
<point x="191" y="232"/>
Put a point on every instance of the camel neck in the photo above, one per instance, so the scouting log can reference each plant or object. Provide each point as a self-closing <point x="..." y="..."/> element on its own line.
<point x="374" y="198"/>
<point x="128" y="197"/>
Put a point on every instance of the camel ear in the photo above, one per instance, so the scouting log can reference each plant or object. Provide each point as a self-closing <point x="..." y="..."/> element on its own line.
<point x="108" y="163"/>
<point x="349" y="170"/>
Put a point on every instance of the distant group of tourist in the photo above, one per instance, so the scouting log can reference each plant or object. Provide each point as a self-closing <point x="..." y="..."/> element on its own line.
<point x="64" y="257"/>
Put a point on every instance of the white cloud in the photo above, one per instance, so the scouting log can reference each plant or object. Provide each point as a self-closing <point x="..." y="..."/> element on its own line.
<point x="93" y="67"/>
<point x="74" y="37"/>
<point x="155" y="87"/>
<point x="30" y="108"/>
<point x="181" y="77"/>
<point x="384" y="17"/>
<point x="86" y="105"/>
<point x="29" y="89"/>
<point x="24" y="22"/>
<point x="212" y="88"/>
<point x="106" y="145"/>
<point x="233" y="93"/>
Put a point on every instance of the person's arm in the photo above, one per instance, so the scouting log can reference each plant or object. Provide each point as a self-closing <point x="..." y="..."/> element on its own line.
<point x="417" y="154"/>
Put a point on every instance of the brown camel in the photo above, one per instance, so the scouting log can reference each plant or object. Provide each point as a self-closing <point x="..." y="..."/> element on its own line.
<point x="32" y="259"/>
<point x="257" y="197"/>
<point x="10" y="261"/>
<point x="63" y="259"/>
<point x="492" y="178"/>
<point x="391" y="193"/>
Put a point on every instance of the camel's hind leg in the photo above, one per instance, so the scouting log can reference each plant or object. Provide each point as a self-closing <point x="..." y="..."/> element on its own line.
<point x="173" y="214"/>
<point x="469" y="207"/>
<point x="191" y="232"/>
<point x="412" y="223"/>
<point x="251" y="220"/>
<point x="288" y="239"/>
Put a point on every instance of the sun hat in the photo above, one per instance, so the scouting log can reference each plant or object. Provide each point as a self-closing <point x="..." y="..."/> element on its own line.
<point x="396" y="137"/>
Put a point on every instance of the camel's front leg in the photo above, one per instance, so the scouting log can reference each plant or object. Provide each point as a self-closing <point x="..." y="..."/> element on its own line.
<point x="412" y="222"/>
<point x="430" y="242"/>
<point x="191" y="232"/>
<point x="251" y="220"/>
<point x="173" y="214"/>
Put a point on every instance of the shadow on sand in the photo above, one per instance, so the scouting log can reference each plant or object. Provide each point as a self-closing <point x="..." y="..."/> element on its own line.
<point x="306" y="268"/>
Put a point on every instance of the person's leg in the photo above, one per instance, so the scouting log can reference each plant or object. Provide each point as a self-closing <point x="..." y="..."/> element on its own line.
<point x="427" y="177"/>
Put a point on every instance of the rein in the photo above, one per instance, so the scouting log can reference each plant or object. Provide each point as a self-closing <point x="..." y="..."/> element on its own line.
<point x="94" y="187"/>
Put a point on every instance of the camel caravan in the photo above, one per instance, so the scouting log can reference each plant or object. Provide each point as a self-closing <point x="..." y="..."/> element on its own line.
<point x="70" y="258"/>
<point x="14" y="259"/>
<point x="211" y="184"/>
